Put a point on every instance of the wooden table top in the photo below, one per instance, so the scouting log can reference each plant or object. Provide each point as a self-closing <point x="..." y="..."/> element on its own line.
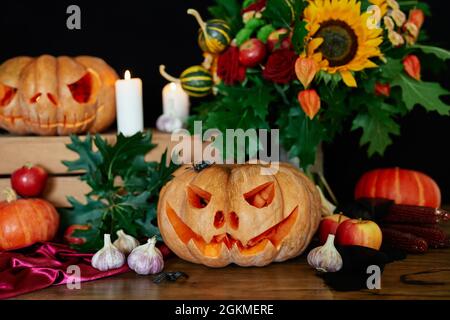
<point x="289" y="280"/>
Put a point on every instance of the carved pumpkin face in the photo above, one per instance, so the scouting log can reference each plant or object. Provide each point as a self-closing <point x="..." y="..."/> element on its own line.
<point x="56" y="95"/>
<point x="232" y="214"/>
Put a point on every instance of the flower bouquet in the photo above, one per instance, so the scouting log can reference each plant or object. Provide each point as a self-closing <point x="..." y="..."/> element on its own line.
<point x="309" y="68"/>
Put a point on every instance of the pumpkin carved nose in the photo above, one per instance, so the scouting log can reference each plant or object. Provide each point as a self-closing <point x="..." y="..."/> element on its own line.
<point x="234" y="220"/>
<point x="219" y="219"/>
<point x="52" y="98"/>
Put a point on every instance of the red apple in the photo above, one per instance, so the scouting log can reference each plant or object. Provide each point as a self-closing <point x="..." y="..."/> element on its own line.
<point x="275" y="36"/>
<point x="329" y="225"/>
<point x="252" y="52"/>
<point x="359" y="232"/>
<point x="29" y="181"/>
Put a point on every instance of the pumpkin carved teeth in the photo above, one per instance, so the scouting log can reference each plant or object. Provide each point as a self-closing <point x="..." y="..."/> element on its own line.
<point x="274" y="235"/>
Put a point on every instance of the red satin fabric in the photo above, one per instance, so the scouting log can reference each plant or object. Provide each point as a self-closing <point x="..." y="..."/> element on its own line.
<point x="43" y="265"/>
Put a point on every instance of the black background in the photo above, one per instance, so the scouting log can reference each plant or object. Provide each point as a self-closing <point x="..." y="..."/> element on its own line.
<point x="140" y="35"/>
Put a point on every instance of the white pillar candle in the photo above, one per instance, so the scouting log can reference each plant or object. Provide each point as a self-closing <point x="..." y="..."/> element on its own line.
<point x="175" y="101"/>
<point x="130" y="114"/>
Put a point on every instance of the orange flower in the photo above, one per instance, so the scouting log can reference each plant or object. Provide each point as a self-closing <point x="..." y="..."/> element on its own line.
<point x="412" y="66"/>
<point x="310" y="102"/>
<point x="306" y="69"/>
<point x="413" y="25"/>
<point x="382" y="89"/>
<point x="416" y="17"/>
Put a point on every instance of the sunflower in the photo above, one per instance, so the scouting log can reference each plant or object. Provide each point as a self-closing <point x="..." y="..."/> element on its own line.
<point x="339" y="38"/>
<point x="382" y="4"/>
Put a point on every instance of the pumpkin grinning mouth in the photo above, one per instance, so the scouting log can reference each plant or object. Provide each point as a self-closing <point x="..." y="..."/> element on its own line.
<point x="274" y="234"/>
<point x="64" y="123"/>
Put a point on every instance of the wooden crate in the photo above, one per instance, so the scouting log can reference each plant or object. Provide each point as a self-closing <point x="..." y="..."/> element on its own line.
<point x="48" y="152"/>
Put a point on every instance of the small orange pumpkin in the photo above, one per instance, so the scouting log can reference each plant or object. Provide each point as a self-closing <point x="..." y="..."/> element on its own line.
<point x="401" y="185"/>
<point x="233" y="214"/>
<point x="24" y="222"/>
<point x="56" y="95"/>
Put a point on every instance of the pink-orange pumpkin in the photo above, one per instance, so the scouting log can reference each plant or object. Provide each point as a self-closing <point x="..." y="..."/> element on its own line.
<point x="401" y="185"/>
<point x="24" y="222"/>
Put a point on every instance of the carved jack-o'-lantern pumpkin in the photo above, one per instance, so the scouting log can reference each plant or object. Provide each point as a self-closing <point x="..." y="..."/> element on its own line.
<point x="56" y="95"/>
<point x="233" y="214"/>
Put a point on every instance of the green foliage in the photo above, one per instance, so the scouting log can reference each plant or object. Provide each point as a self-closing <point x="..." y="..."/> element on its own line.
<point x="377" y="124"/>
<point x="391" y="69"/>
<point x="228" y="10"/>
<point x="279" y="12"/>
<point x="299" y="35"/>
<point x="423" y="93"/>
<point x="110" y="205"/>
<point x="438" y="52"/>
<point x="299" y="135"/>
<point x="237" y="107"/>
<point x="257" y="103"/>
<point x="336" y="109"/>
<point x="264" y="32"/>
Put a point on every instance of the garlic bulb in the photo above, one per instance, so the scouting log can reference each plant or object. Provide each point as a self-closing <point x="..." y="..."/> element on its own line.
<point x="168" y="123"/>
<point x="326" y="258"/>
<point x="109" y="257"/>
<point x="146" y="259"/>
<point x="125" y="243"/>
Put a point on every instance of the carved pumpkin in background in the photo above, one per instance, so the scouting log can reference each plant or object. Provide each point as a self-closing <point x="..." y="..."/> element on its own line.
<point x="233" y="214"/>
<point x="56" y="95"/>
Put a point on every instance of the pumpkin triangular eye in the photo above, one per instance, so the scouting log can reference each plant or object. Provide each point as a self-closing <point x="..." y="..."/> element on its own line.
<point x="197" y="197"/>
<point x="81" y="90"/>
<point x="261" y="196"/>
<point x="7" y="93"/>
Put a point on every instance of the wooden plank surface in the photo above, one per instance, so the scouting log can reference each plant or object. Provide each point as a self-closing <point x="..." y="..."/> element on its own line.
<point x="58" y="189"/>
<point x="49" y="151"/>
<point x="288" y="280"/>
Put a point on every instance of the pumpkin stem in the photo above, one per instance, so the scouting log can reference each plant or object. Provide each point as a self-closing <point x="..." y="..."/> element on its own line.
<point x="162" y="71"/>
<point x="198" y="17"/>
<point x="10" y="194"/>
<point x="327" y="186"/>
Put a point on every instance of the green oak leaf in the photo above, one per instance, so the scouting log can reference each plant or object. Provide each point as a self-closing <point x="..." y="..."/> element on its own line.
<point x="279" y="13"/>
<point x="391" y="68"/>
<point x="420" y="92"/>
<point x="377" y="125"/>
<point x="300" y="135"/>
<point x="438" y="52"/>
<point x="111" y="206"/>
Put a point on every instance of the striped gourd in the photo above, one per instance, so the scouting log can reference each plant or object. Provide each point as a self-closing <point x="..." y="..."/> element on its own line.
<point x="196" y="80"/>
<point x="214" y="35"/>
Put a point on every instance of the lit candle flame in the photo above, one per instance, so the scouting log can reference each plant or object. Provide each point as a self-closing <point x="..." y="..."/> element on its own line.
<point x="127" y="75"/>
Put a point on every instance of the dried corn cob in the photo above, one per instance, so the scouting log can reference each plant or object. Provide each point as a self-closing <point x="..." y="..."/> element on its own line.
<point x="399" y="213"/>
<point x="404" y="241"/>
<point x="433" y="235"/>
